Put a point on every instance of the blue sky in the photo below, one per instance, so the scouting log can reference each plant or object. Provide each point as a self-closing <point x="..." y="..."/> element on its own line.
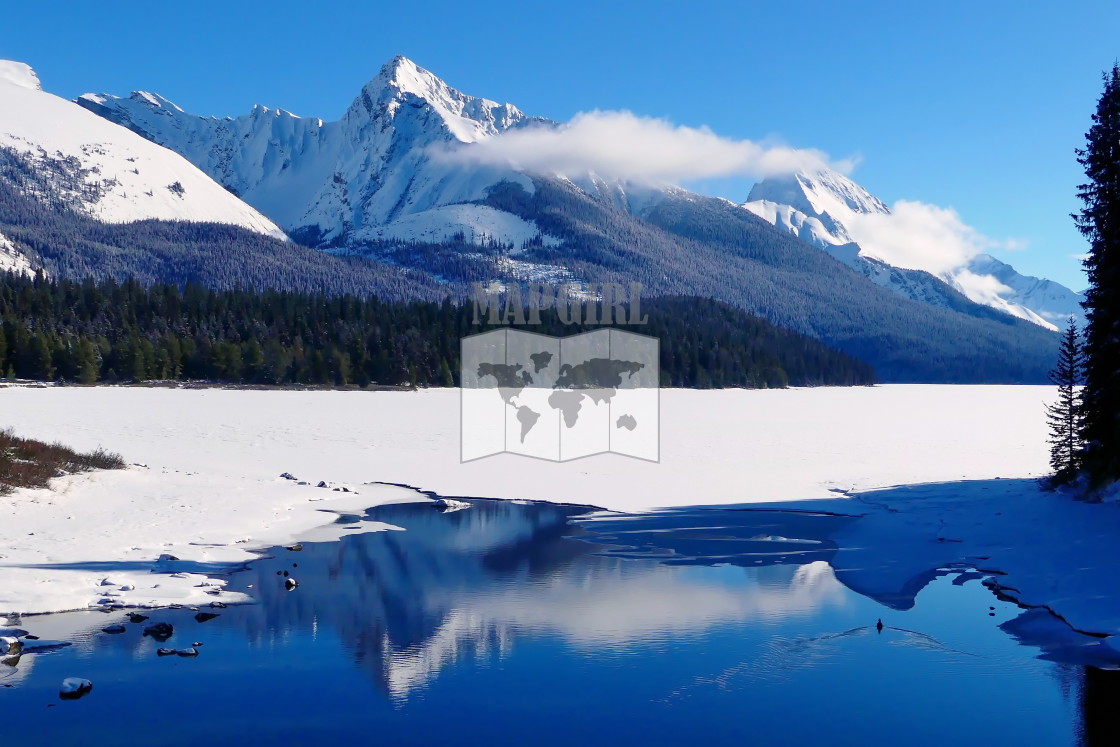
<point x="976" y="106"/>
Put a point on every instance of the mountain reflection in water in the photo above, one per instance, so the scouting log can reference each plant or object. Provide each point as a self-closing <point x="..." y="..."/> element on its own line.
<point x="512" y="622"/>
<point x="466" y="583"/>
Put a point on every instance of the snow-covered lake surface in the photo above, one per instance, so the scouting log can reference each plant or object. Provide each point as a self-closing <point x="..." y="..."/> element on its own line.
<point x="514" y="623"/>
<point x="208" y="488"/>
<point x="727" y="446"/>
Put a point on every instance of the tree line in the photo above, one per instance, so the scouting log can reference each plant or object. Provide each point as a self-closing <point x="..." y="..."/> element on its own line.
<point x="1085" y="420"/>
<point x="108" y="331"/>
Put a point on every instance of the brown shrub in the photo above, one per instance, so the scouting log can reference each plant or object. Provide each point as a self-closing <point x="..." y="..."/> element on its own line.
<point x="25" y="463"/>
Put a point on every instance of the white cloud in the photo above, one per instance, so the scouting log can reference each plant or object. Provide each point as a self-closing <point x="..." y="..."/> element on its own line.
<point x="625" y="146"/>
<point x="985" y="289"/>
<point x="920" y="236"/>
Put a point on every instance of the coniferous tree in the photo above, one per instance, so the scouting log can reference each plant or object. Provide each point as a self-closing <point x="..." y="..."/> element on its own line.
<point x="1064" y="415"/>
<point x="1099" y="222"/>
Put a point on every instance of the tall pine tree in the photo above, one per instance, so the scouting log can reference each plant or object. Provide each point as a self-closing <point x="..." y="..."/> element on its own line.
<point x="1065" y="415"/>
<point x="1099" y="222"/>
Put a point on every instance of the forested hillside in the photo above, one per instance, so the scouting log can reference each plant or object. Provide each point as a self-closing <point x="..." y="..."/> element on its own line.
<point x="126" y="332"/>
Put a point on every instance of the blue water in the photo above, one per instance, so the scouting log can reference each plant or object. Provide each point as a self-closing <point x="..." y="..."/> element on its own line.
<point x="515" y="623"/>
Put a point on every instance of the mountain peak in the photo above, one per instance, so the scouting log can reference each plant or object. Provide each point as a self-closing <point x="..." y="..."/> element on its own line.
<point x="402" y="86"/>
<point x="817" y="192"/>
<point x="19" y="74"/>
<point x="404" y="76"/>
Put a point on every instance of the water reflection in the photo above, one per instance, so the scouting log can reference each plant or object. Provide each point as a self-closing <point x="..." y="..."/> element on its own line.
<point x="712" y="626"/>
<point x="466" y="584"/>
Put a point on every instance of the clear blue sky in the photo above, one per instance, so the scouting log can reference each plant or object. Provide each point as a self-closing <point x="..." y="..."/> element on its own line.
<point x="974" y="105"/>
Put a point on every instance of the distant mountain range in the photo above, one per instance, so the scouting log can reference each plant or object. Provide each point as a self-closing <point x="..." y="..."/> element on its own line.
<point x="819" y="207"/>
<point x="378" y="192"/>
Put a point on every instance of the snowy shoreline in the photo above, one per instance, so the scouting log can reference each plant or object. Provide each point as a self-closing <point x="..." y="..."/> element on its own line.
<point x="208" y="489"/>
<point x="1042" y="550"/>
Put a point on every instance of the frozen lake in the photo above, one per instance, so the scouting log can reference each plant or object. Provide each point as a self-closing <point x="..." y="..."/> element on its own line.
<point x="517" y="623"/>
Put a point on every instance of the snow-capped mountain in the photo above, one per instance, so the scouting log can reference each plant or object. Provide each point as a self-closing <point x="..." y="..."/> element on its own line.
<point x="822" y="206"/>
<point x="1052" y="301"/>
<point x="394" y="182"/>
<point x="376" y="173"/>
<point x="104" y="170"/>
<point x="381" y="172"/>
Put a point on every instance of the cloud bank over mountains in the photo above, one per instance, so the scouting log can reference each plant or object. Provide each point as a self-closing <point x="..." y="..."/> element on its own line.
<point x="623" y="145"/>
<point x="920" y="236"/>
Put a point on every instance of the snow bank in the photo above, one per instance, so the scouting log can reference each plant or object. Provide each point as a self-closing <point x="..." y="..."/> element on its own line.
<point x="1036" y="548"/>
<point x="152" y="536"/>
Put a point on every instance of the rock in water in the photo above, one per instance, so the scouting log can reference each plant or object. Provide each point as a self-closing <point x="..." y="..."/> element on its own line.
<point x="204" y="616"/>
<point x="73" y="688"/>
<point x="192" y="651"/>
<point x="160" y="631"/>
<point x="10" y="646"/>
<point x="165" y="652"/>
<point x="114" y="629"/>
<point x="136" y="617"/>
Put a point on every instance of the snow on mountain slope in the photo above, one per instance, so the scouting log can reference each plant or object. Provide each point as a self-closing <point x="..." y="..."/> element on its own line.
<point x="805" y="205"/>
<point x="825" y="208"/>
<point x="19" y="74"/>
<point x="366" y="176"/>
<point x="1052" y="301"/>
<point x="11" y="259"/>
<point x="479" y="224"/>
<point x="105" y="170"/>
<point x="822" y="192"/>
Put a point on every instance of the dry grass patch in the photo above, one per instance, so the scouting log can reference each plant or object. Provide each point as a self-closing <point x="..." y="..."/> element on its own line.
<point x="25" y="463"/>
